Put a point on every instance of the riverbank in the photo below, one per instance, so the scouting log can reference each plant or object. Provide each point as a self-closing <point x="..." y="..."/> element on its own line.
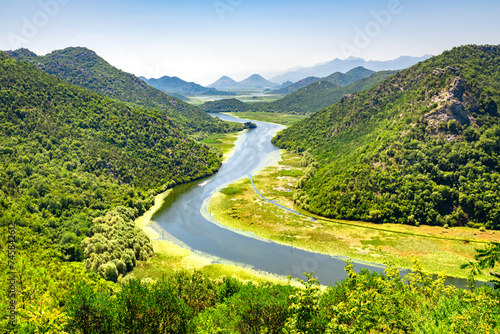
<point x="225" y="142"/>
<point x="440" y="250"/>
<point x="170" y="257"/>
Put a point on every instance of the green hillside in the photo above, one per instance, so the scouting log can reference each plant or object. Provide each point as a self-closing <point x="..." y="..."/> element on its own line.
<point x="83" y="67"/>
<point x="77" y="168"/>
<point x="225" y="105"/>
<point x="337" y="78"/>
<point x="321" y="94"/>
<point x="69" y="156"/>
<point x="349" y="77"/>
<point x="422" y="147"/>
<point x="305" y="101"/>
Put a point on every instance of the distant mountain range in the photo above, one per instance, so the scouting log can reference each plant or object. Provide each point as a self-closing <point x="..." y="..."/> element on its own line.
<point x="339" y="65"/>
<point x="175" y="85"/>
<point x="311" y="98"/>
<point x="337" y="78"/>
<point x="252" y="82"/>
<point x="321" y="94"/>
<point x="295" y="86"/>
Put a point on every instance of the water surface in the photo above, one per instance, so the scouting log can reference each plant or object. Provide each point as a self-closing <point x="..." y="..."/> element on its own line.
<point x="184" y="219"/>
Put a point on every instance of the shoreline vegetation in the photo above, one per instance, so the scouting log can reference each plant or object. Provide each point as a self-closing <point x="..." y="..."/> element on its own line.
<point x="170" y="257"/>
<point x="440" y="250"/>
<point x="225" y="142"/>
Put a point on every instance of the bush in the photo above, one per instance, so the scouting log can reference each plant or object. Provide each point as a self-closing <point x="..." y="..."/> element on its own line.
<point x="109" y="272"/>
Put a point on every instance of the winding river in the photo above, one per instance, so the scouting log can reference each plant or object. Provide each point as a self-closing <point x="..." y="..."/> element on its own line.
<point x="184" y="220"/>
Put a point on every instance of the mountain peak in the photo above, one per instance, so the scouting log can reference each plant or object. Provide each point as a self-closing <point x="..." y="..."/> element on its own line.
<point x="224" y="82"/>
<point x="256" y="81"/>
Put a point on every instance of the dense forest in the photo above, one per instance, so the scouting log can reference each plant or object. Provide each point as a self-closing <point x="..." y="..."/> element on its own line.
<point x="422" y="147"/>
<point x="226" y="105"/>
<point x="77" y="168"/>
<point x="83" y="67"/>
<point x="307" y="100"/>
<point x="364" y="302"/>
<point x="75" y="164"/>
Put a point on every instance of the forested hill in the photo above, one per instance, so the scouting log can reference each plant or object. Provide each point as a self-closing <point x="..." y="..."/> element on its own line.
<point x="83" y="67"/>
<point x="337" y="78"/>
<point x="422" y="147"/>
<point x="319" y="95"/>
<point x="225" y="105"/>
<point x="305" y="101"/>
<point x="69" y="155"/>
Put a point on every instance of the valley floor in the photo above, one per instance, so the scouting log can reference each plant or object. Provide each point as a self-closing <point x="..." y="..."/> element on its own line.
<point x="238" y="206"/>
<point x="270" y="117"/>
<point x="170" y="257"/>
<point x="440" y="250"/>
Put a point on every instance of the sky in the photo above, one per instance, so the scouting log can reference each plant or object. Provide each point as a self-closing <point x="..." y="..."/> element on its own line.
<point x="202" y="40"/>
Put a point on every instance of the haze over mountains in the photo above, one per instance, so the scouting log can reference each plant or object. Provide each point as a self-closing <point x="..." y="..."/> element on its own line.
<point x="341" y="79"/>
<point x="254" y="81"/>
<point x="315" y="96"/>
<point x="344" y="65"/>
<point x="175" y="85"/>
<point x="307" y="75"/>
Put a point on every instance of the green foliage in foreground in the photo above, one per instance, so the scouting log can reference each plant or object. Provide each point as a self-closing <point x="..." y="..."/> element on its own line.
<point x="486" y="258"/>
<point x="422" y="147"/>
<point x="363" y="302"/>
<point x="43" y="282"/>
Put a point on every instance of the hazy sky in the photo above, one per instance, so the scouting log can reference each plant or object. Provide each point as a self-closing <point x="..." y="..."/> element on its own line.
<point x="201" y="40"/>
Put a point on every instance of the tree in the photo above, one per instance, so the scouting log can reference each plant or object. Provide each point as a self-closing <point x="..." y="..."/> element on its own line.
<point x="486" y="258"/>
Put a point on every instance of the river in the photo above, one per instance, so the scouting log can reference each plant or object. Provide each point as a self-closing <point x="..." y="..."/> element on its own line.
<point x="184" y="220"/>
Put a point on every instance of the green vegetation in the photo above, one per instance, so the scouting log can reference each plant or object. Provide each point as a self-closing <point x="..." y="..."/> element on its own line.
<point x="336" y="78"/>
<point x="69" y="156"/>
<point x="321" y="94"/>
<point x="174" y="85"/>
<point x="296" y="86"/>
<point x="82" y="67"/>
<point x="419" y="148"/>
<point x="270" y="117"/>
<point x="226" y="105"/>
<point x="77" y="168"/>
<point x="363" y="302"/>
<point x="44" y="283"/>
<point x="349" y="77"/>
<point x="222" y="142"/>
<point x="440" y="250"/>
<point x="304" y="101"/>
<point x="116" y="244"/>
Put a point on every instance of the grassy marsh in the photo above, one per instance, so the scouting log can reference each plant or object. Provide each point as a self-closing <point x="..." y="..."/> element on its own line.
<point x="238" y="206"/>
<point x="224" y="142"/>
<point x="170" y="257"/>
